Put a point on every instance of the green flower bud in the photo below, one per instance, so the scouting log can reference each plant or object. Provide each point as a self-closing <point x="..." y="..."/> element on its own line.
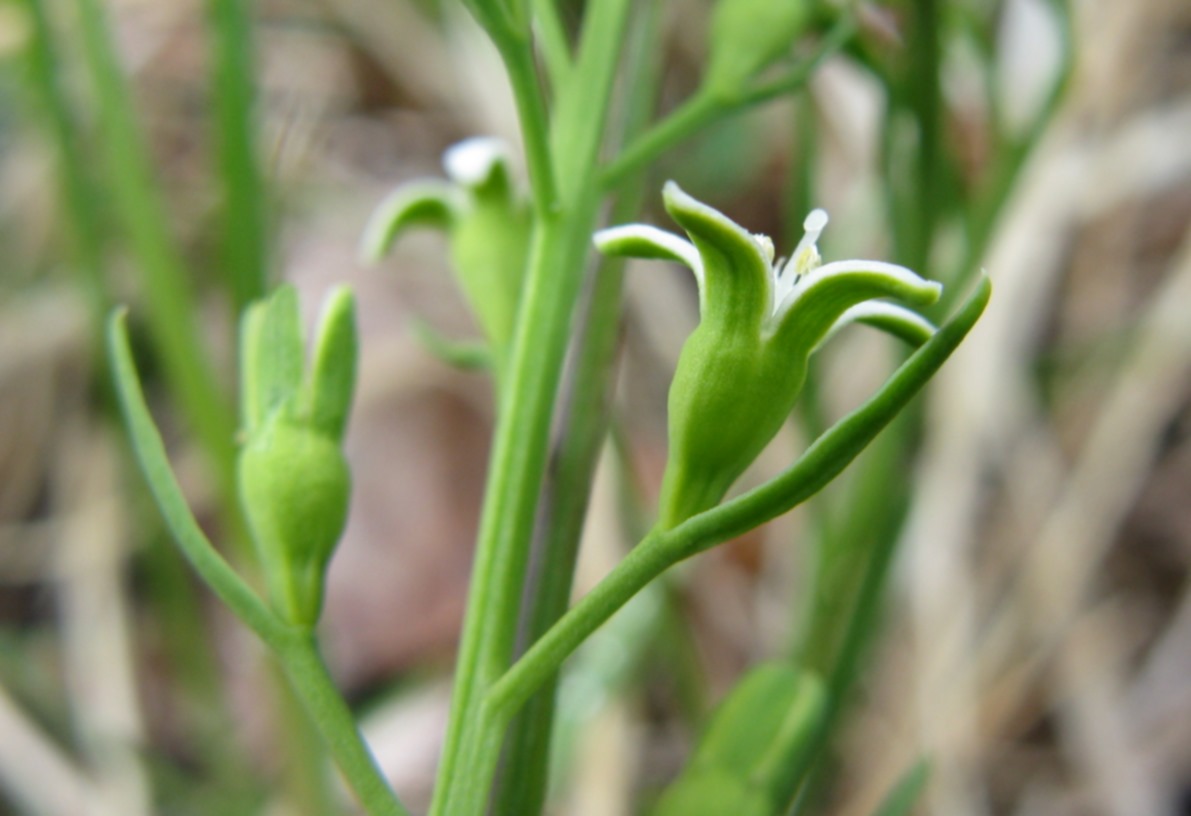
<point x="294" y="486"/>
<point x="747" y="36"/>
<point x="742" y="368"/>
<point x="488" y="225"/>
<point x="293" y="478"/>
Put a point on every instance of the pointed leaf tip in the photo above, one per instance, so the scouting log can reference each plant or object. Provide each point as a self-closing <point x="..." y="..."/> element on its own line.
<point x="271" y="355"/>
<point x="332" y="379"/>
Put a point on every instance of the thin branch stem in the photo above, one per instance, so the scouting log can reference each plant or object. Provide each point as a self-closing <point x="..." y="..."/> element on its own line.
<point x="517" y="54"/>
<point x="308" y="673"/>
<point x="552" y="36"/>
<point x="150" y="453"/>
<point x="706" y="107"/>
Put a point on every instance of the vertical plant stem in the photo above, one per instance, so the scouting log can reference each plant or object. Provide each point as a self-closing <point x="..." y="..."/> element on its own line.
<point x="308" y="673"/>
<point x="553" y="281"/>
<point x="925" y="98"/>
<point x="581" y="431"/>
<point x="245" y="234"/>
<point x="552" y="36"/>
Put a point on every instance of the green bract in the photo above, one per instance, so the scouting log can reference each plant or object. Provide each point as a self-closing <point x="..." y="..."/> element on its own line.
<point x="487" y="222"/>
<point x="742" y="368"/>
<point x="755" y="747"/>
<point x="293" y="478"/>
<point x="748" y="35"/>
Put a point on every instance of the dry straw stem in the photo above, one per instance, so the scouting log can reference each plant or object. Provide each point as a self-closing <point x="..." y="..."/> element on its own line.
<point x="981" y="659"/>
<point x="95" y="621"/>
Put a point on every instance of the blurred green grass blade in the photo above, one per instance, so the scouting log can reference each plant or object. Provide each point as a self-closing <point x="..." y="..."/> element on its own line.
<point x="139" y="210"/>
<point x="78" y="193"/>
<point x="244" y="218"/>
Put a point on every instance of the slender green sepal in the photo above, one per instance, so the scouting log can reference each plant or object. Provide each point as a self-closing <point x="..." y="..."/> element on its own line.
<point x="734" y="272"/>
<point x="270" y="356"/>
<point x="897" y="321"/>
<point x="432" y="204"/>
<point x="332" y="380"/>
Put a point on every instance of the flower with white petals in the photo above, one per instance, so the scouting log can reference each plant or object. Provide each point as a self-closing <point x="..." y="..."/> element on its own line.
<point x="742" y="369"/>
<point x="486" y="221"/>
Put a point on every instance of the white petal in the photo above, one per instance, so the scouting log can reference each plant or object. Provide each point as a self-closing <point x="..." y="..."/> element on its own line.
<point x="471" y="161"/>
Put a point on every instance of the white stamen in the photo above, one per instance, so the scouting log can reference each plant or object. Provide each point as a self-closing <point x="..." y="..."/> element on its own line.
<point x="804" y="260"/>
<point x="815" y="222"/>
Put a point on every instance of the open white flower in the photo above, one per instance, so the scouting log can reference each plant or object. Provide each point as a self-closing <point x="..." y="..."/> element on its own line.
<point x="786" y="281"/>
<point x="742" y="368"/>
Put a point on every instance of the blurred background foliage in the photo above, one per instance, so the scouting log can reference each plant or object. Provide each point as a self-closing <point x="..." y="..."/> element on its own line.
<point x="1036" y="626"/>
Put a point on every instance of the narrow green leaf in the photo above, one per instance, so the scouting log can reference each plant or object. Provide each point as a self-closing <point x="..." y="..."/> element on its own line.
<point x="151" y="455"/>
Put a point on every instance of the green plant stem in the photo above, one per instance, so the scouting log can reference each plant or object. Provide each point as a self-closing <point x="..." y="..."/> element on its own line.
<point x="294" y="646"/>
<point x="582" y="428"/>
<point x="304" y="666"/>
<point x="821" y="463"/>
<point x="552" y="36"/>
<point x="517" y="54"/>
<point x="171" y="306"/>
<point x="926" y="103"/>
<point x="691" y="116"/>
<point x="517" y="465"/>
<point x="706" y="107"/>
<point x="548" y="581"/>
<point x="244" y="228"/>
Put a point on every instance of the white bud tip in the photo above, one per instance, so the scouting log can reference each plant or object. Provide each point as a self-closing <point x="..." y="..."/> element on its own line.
<point x="816" y="221"/>
<point x="471" y="161"/>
